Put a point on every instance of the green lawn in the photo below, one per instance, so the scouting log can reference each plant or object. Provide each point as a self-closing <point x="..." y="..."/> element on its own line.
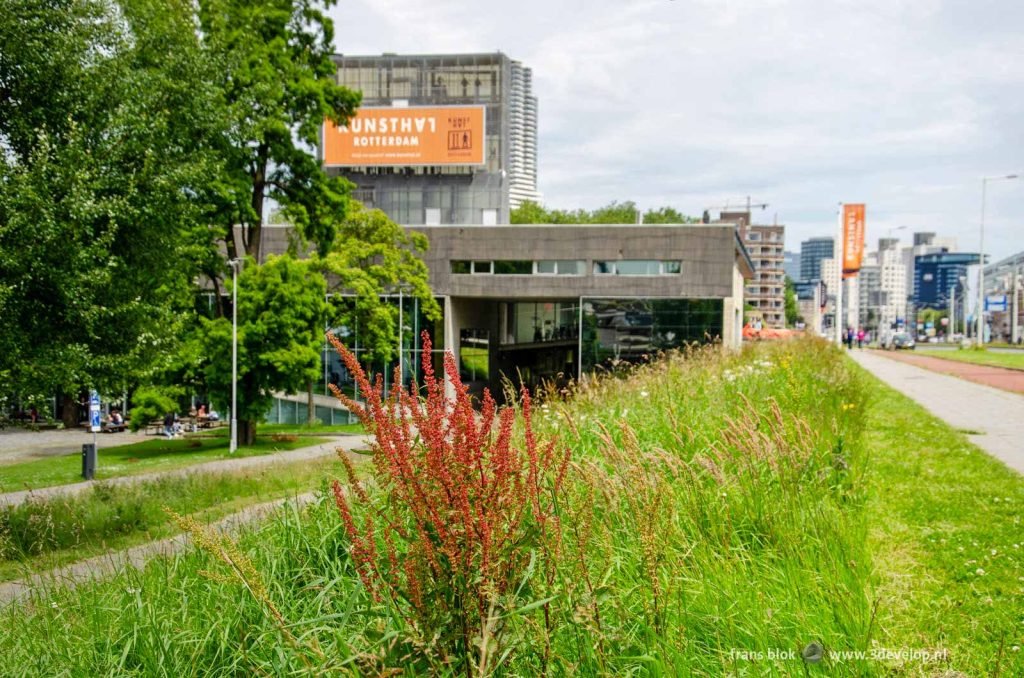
<point x="947" y="540"/>
<point x="151" y="455"/>
<point x="993" y="358"/>
<point x="41" y="535"/>
<point x="294" y="429"/>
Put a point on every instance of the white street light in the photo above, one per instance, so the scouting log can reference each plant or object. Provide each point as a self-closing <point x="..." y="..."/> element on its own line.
<point x="979" y="337"/>
<point x="234" y="264"/>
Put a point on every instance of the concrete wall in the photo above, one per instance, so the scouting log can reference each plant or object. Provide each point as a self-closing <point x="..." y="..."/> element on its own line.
<point x="732" y="313"/>
<point x="707" y="252"/>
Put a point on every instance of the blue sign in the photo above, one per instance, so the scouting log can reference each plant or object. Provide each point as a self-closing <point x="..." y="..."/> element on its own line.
<point x="94" y="412"/>
<point x="996" y="303"/>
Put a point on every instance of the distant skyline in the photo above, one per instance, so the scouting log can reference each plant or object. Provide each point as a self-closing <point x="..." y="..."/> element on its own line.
<point x="901" y="104"/>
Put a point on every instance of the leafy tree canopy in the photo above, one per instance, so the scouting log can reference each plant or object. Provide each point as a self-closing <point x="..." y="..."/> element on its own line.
<point x="281" y="310"/>
<point x="374" y="256"/>
<point x="613" y="213"/>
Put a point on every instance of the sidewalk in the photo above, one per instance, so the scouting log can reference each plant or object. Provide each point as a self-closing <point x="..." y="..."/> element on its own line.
<point x="348" y="443"/>
<point x="997" y="415"/>
<point x="996" y="377"/>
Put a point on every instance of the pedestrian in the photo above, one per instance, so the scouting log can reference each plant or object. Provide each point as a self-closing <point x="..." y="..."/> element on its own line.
<point x="860" y="338"/>
<point x="169" y="425"/>
<point x="849" y="338"/>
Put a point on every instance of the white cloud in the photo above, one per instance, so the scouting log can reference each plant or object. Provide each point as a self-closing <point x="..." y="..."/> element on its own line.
<point x="902" y="104"/>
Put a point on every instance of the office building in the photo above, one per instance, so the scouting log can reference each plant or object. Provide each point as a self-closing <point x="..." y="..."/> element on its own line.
<point x="791" y="265"/>
<point x="812" y="251"/>
<point x="935" y="274"/>
<point x="439" y="139"/>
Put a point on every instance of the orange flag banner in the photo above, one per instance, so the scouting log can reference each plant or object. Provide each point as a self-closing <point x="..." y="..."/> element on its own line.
<point x="853" y="239"/>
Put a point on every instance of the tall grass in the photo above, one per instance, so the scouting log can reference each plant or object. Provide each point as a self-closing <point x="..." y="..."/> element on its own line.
<point x="713" y="508"/>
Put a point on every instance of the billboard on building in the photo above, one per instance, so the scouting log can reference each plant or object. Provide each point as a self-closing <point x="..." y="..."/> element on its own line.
<point x="853" y="239"/>
<point x="414" y="135"/>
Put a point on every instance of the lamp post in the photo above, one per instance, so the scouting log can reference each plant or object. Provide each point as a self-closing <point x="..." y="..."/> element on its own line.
<point x="979" y="337"/>
<point x="234" y="264"/>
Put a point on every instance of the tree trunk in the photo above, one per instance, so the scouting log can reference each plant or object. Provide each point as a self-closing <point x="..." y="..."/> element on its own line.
<point x="69" y="411"/>
<point x="310" y="405"/>
<point x="246" y="432"/>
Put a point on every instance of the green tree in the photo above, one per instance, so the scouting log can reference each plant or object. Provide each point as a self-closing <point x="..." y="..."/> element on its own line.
<point x="792" y="310"/>
<point x="667" y="215"/>
<point x="276" y="84"/>
<point x="281" y="310"/>
<point x="612" y="213"/>
<point x="373" y="256"/>
<point x="99" y="222"/>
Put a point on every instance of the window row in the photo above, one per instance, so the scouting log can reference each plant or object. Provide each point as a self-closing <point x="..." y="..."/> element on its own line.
<point x="566" y="267"/>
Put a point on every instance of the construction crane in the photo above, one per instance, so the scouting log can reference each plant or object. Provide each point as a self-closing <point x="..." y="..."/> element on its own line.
<point x="727" y="207"/>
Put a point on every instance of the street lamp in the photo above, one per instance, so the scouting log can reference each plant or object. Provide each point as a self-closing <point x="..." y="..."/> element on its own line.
<point x="979" y="337"/>
<point x="234" y="264"/>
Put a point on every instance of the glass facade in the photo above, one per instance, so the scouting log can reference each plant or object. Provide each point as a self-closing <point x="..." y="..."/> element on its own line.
<point x="632" y="330"/>
<point x="350" y="333"/>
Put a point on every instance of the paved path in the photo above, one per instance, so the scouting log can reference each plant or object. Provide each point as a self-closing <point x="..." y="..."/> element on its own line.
<point x="997" y="415"/>
<point x="349" y="442"/>
<point x="107" y="565"/>
<point x="18" y="444"/>
<point x="997" y="377"/>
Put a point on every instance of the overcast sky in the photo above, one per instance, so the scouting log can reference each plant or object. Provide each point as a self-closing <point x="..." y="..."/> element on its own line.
<point x="901" y="104"/>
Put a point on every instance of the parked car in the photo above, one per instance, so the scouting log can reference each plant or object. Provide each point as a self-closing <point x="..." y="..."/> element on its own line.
<point x="901" y="340"/>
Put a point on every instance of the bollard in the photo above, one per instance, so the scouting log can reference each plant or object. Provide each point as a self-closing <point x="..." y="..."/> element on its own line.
<point x="88" y="461"/>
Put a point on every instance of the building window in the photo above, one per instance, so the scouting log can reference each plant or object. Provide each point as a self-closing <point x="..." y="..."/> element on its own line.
<point x="433" y="216"/>
<point x="560" y="267"/>
<point x="483" y="267"/>
<point x="637" y="267"/>
<point x="513" y="267"/>
<point x="460" y="267"/>
<point x="490" y="217"/>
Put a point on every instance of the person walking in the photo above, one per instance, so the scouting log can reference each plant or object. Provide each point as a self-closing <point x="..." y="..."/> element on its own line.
<point x="860" y="338"/>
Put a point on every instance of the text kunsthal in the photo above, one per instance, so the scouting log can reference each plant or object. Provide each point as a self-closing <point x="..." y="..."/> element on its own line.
<point x="388" y="131"/>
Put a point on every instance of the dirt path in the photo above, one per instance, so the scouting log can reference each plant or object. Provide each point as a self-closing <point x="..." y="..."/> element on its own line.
<point x="996" y="377"/>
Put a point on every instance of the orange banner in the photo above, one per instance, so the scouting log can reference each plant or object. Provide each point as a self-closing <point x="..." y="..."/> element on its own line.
<point x="418" y="135"/>
<point x="853" y="239"/>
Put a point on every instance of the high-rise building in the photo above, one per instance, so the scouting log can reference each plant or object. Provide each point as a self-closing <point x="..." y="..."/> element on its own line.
<point x="791" y="265"/>
<point x="812" y="251"/>
<point x="767" y="290"/>
<point x="936" y="274"/>
<point x="522" y="114"/>
<point x="462" y="175"/>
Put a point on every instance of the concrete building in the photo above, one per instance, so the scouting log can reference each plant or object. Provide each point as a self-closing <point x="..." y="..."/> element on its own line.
<point x="1005" y="278"/>
<point x="812" y="251"/>
<point x="474" y="176"/>
<point x="549" y="303"/>
<point x="766" y="291"/>
<point x="811" y="304"/>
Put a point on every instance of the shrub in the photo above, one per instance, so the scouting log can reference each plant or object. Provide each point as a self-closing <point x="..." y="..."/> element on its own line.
<point x="463" y="512"/>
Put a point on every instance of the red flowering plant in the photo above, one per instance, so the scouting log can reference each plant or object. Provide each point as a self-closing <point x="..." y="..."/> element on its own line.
<point x="461" y="529"/>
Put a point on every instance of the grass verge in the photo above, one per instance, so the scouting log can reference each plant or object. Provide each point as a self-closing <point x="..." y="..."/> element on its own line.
<point x="1013" y="361"/>
<point x="39" y="535"/>
<point x="145" y="457"/>
<point x="947" y="539"/>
